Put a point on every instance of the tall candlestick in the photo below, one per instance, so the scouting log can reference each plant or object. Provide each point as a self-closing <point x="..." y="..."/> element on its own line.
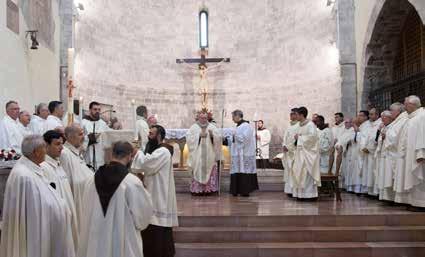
<point x="133" y="104"/>
<point x="80" y="110"/>
<point x="70" y="85"/>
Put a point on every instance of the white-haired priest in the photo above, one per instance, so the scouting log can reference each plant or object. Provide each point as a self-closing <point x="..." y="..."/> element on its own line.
<point x="36" y="220"/>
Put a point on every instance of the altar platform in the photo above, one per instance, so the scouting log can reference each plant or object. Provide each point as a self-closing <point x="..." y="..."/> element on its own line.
<point x="269" y="224"/>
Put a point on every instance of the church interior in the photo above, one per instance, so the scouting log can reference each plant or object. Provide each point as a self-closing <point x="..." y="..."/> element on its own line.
<point x="180" y="58"/>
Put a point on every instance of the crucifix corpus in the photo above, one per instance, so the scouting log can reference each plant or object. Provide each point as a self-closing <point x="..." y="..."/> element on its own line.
<point x="202" y="67"/>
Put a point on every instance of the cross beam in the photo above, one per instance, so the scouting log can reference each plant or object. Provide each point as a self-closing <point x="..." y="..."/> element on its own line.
<point x="202" y="60"/>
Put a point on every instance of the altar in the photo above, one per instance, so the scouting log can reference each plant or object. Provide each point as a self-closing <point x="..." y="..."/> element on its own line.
<point x="175" y="137"/>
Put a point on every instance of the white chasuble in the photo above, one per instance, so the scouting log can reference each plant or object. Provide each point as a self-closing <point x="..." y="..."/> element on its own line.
<point x="204" y="152"/>
<point x="306" y="171"/>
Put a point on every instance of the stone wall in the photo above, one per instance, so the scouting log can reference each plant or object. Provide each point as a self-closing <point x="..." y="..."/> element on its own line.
<point x="282" y="54"/>
<point x="29" y="76"/>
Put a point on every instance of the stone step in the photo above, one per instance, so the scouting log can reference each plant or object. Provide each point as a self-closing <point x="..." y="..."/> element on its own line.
<point x="299" y="234"/>
<point x="306" y="249"/>
<point x="269" y="180"/>
<point x="410" y="219"/>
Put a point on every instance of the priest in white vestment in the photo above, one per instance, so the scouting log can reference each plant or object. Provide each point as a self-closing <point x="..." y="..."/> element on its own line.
<point x="354" y="182"/>
<point x="36" y="220"/>
<point x="57" y="178"/>
<point x="289" y="149"/>
<point x="337" y="130"/>
<point x="393" y="153"/>
<point x="10" y="131"/>
<point x="157" y="168"/>
<point x="306" y="170"/>
<point x="38" y="122"/>
<point x="142" y="126"/>
<point x="75" y="167"/>
<point x="55" y="119"/>
<point x="93" y="126"/>
<point x="368" y="144"/>
<point x="381" y="160"/>
<point x="116" y="208"/>
<point x="24" y="122"/>
<point x="204" y="142"/>
<point x="344" y="150"/>
<point x="263" y="144"/>
<point x="243" y="173"/>
<point x="361" y="129"/>
<point x="325" y="143"/>
<point x="414" y="171"/>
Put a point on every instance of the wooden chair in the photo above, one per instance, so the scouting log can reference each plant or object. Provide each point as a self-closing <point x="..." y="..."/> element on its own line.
<point x="334" y="181"/>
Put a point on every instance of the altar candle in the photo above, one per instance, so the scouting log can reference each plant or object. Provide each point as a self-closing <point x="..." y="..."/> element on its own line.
<point x="70" y="85"/>
<point x="80" y="110"/>
<point x="133" y="104"/>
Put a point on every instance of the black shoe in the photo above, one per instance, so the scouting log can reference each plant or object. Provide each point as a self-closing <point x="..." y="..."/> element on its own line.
<point x="235" y="195"/>
<point x="245" y="195"/>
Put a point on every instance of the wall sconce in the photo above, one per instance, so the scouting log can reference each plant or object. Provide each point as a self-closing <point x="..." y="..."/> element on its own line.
<point x="330" y="2"/>
<point x="33" y="37"/>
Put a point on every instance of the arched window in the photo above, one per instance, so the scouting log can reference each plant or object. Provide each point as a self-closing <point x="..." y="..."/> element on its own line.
<point x="203" y="29"/>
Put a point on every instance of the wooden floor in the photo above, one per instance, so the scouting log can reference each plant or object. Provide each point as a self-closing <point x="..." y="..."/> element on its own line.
<point x="271" y="224"/>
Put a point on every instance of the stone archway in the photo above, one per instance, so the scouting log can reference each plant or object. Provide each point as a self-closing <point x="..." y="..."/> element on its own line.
<point x="382" y="53"/>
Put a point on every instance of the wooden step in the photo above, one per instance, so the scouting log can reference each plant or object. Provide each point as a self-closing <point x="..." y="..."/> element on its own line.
<point x="306" y="249"/>
<point x="410" y="219"/>
<point x="299" y="234"/>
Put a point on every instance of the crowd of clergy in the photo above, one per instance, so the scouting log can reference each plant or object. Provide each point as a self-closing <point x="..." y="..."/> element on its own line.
<point x="380" y="155"/>
<point x="61" y="199"/>
<point x="64" y="199"/>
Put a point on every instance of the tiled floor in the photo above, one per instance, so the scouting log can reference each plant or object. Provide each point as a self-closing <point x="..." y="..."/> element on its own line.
<point x="276" y="203"/>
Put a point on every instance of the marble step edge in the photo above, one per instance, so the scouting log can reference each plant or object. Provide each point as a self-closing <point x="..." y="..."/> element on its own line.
<point x="325" y="245"/>
<point x="306" y="249"/>
<point x="290" y="229"/>
<point x="309" y="220"/>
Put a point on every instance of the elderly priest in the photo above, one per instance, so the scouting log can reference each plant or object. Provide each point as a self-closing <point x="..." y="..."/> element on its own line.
<point x="75" y="167"/>
<point x="116" y="208"/>
<point x="204" y="142"/>
<point x="36" y="220"/>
